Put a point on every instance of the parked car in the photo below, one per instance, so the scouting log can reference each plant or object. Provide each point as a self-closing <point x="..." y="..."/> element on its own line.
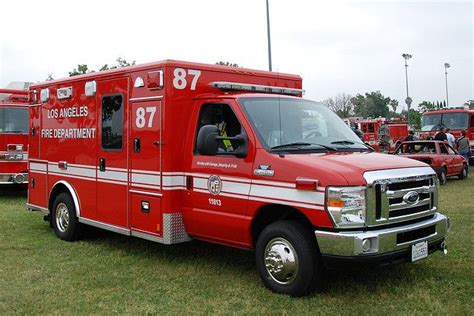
<point x="443" y="158"/>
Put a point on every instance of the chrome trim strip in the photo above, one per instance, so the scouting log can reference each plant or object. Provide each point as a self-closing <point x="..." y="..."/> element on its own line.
<point x="112" y="228"/>
<point x="146" y="236"/>
<point x="145" y="193"/>
<point x="71" y="191"/>
<point x="406" y="174"/>
<point x="158" y="97"/>
<point x="34" y="207"/>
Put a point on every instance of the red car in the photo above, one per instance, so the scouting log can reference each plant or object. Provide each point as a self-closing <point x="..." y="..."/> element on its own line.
<point x="443" y="158"/>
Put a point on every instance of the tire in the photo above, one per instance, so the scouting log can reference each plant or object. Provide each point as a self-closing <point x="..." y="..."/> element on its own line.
<point x="443" y="178"/>
<point x="293" y="243"/>
<point x="464" y="173"/>
<point x="65" y="222"/>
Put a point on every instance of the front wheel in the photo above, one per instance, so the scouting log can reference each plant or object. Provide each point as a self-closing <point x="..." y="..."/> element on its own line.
<point x="443" y="178"/>
<point x="288" y="259"/>
<point x="464" y="173"/>
<point x="65" y="222"/>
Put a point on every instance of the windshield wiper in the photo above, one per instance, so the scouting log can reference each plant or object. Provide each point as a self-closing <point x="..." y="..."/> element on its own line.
<point x="302" y="144"/>
<point x="350" y="142"/>
<point x="343" y="142"/>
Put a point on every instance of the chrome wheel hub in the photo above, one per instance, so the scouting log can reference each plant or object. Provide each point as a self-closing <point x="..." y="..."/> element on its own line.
<point x="62" y="217"/>
<point x="281" y="260"/>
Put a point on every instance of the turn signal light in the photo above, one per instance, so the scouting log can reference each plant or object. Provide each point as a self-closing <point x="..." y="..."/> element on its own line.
<point x="335" y="203"/>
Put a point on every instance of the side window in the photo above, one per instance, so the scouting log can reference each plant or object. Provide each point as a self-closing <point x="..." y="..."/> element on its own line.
<point x="451" y="150"/>
<point x="444" y="150"/>
<point x="472" y="121"/>
<point x="222" y="116"/>
<point x="112" y="122"/>
<point x="371" y="128"/>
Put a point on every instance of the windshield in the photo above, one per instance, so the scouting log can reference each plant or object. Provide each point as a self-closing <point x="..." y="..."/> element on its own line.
<point x="14" y="120"/>
<point x="284" y="122"/>
<point x="454" y="121"/>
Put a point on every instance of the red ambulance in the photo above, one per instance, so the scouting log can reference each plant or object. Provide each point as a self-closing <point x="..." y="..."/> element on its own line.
<point x="173" y="151"/>
<point x="13" y="136"/>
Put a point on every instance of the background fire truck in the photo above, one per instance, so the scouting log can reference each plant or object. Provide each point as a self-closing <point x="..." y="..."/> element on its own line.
<point x="381" y="134"/>
<point x="13" y="136"/>
<point x="457" y="119"/>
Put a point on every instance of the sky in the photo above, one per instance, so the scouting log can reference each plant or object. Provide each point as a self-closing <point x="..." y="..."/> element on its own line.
<point x="335" y="46"/>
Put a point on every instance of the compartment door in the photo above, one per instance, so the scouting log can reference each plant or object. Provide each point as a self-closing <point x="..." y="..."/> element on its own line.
<point x="112" y="164"/>
<point x="145" y="167"/>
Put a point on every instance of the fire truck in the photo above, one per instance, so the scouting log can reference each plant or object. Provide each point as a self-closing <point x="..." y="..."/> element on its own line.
<point x="13" y="136"/>
<point x="173" y="151"/>
<point x="457" y="119"/>
<point x="382" y="134"/>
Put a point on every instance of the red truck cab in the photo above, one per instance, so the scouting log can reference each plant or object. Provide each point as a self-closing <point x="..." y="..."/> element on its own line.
<point x="456" y="119"/>
<point x="173" y="151"/>
<point x="13" y="136"/>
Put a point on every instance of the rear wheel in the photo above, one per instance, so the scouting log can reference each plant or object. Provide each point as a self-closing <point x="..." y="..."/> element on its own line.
<point x="443" y="178"/>
<point x="65" y="222"/>
<point x="288" y="259"/>
<point x="464" y="173"/>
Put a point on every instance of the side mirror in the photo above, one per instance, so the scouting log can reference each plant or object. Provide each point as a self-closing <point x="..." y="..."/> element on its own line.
<point x="208" y="142"/>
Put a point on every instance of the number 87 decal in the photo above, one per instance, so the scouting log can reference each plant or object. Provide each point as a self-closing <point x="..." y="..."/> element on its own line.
<point x="180" y="82"/>
<point x="141" y="112"/>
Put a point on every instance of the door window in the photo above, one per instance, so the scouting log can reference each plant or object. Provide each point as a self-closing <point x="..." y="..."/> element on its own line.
<point x="444" y="150"/>
<point x="112" y="122"/>
<point x="221" y="116"/>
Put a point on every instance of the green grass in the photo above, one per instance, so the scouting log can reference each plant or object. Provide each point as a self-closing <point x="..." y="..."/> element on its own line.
<point x="110" y="273"/>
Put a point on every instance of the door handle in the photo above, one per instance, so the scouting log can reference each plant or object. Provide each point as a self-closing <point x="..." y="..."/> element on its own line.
<point x="101" y="164"/>
<point x="136" y="145"/>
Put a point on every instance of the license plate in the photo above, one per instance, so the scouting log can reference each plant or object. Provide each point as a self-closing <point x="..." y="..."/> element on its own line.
<point x="419" y="251"/>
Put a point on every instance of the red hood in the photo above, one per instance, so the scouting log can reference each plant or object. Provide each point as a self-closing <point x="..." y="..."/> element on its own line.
<point x="331" y="169"/>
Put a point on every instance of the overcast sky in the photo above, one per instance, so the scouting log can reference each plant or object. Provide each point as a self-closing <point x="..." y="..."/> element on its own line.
<point x="336" y="46"/>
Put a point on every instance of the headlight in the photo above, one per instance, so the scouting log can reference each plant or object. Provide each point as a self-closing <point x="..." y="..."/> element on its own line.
<point x="347" y="206"/>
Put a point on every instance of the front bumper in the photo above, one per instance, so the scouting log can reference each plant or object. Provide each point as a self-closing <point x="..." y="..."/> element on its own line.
<point x="382" y="242"/>
<point x="9" y="178"/>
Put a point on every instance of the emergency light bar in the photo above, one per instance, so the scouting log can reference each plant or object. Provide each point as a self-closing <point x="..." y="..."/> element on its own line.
<point x="255" y="88"/>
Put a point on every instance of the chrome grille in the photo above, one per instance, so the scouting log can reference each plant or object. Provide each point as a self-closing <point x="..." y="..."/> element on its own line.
<point x="400" y="195"/>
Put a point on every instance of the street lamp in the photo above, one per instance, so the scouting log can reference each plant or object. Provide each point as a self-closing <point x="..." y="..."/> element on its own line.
<point x="268" y="36"/>
<point x="446" y="66"/>
<point x="408" y="100"/>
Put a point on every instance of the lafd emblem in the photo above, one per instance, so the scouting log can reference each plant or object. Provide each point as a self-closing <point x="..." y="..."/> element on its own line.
<point x="214" y="185"/>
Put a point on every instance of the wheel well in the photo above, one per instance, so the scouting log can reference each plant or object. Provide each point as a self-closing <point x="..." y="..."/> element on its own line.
<point x="271" y="213"/>
<point x="58" y="189"/>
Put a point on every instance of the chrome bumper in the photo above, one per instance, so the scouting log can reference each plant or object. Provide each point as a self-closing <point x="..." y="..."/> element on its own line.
<point x="381" y="241"/>
<point x="9" y="178"/>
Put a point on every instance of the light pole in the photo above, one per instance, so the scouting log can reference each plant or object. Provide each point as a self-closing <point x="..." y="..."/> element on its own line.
<point x="446" y="66"/>
<point x="408" y="100"/>
<point x="268" y="36"/>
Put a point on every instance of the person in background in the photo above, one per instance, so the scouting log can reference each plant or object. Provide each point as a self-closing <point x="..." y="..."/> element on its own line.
<point x="411" y="137"/>
<point x="441" y="135"/>
<point x="450" y="137"/>
<point x="463" y="145"/>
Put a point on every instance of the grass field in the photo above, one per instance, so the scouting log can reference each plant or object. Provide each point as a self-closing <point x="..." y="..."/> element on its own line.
<point x="110" y="273"/>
